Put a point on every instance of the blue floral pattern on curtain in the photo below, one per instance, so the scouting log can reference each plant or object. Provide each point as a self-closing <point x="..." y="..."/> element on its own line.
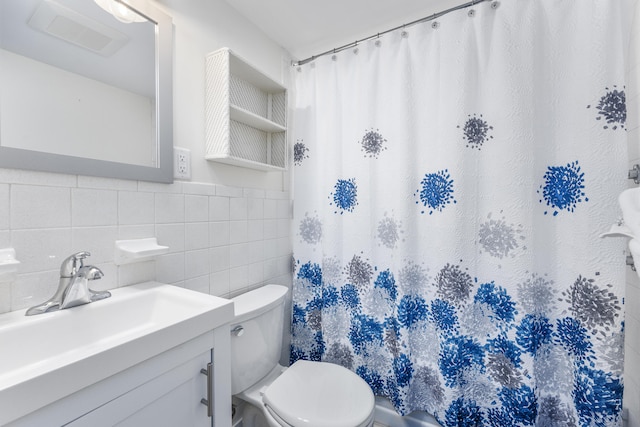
<point x="449" y="190"/>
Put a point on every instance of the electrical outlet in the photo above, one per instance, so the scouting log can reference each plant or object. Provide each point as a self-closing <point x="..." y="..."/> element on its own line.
<point x="181" y="163"/>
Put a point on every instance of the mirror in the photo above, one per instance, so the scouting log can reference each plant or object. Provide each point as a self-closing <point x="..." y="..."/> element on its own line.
<point x="82" y="92"/>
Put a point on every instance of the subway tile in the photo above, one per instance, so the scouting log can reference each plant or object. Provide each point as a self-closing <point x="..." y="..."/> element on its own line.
<point x="255" y="230"/>
<point x="270" y="209"/>
<point x="237" y="232"/>
<point x="90" y="207"/>
<point x="196" y="235"/>
<point x="238" y="255"/>
<point x="237" y="208"/>
<point x="198" y="284"/>
<point x="102" y="210"/>
<point x="169" y="208"/>
<point x="40" y="207"/>
<point x="255" y="274"/>
<point x="170" y="268"/>
<point x="99" y="241"/>
<point x="278" y="195"/>
<point x="284" y="280"/>
<point x="41" y="250"/>
<point x="283" y="265"/>
<point x="199" y="188"/>
<point x="218" y="208"/>
<point x="196" y="263"/>
<point x="135" y="208"/>
<point x="34" y="288"/>
<point x="219" y="233"/>
<point x="223" y="190"/>
<point x="129" y="232"/>
<point x="137" y="272"/>
<point x="283" y="209"/>
<point x="219" y="283"/>
<point x="196" y="208"/>
<point x="255" y="208"/>
<point x="271" y="269"/>
<point x="284" y="226"/>
<point x="238" y="278"/>
<point x="254" y="193"/>
<point x="283" y="246"/>
<point x="219" y="258"/>
<point x="270" y="229"/>
<point x="5" y="239"/>
<point x="270" y="248"/>
<point x="4" y="207"/>
<point x="255" y="252"/>
<point x="171" y="235"/>
<point x="5" y="297"/>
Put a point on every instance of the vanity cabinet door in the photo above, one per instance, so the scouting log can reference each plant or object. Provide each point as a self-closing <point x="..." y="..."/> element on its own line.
<point x="170" y="400"/>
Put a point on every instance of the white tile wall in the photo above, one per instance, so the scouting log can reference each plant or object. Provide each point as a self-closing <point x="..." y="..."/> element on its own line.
<point x="631" y="399"/>
<point x="222" y="240"/>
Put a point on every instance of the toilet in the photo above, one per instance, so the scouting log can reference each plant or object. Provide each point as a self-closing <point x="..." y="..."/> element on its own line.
<point x="307" y="394"/>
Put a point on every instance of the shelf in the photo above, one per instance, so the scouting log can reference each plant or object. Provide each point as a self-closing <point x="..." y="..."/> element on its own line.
<point x="245" y="114"/>
<point x="239" y="161"/>
<point x="255" y="121"/>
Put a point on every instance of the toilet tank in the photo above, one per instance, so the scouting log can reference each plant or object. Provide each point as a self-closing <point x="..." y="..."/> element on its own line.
<point x="256" y="335"/>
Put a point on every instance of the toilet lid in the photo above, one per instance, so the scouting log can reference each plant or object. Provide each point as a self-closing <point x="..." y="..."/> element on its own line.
<point x="319" y="394"/>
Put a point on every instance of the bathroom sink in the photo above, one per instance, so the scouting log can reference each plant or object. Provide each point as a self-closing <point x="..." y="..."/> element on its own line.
<point x="46" y="357"/>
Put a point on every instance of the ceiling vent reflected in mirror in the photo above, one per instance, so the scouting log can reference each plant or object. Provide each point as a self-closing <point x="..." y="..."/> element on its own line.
<point x="66" y="24"/>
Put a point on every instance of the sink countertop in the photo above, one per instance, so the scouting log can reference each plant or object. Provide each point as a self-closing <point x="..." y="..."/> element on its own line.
<point x="47" y="357"/>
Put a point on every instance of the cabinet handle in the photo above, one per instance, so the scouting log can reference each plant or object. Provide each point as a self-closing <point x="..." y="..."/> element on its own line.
<point x="209" y="400"/>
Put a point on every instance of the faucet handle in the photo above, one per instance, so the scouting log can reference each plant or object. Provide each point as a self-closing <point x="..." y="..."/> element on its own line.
<point x="73" y="263"/>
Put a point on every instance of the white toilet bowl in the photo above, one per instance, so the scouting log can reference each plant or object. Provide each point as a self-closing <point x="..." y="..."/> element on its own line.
<point x="307" y="394"/>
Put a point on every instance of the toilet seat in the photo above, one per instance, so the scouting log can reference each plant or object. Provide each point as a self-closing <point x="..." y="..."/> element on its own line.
<point x="319" y="394"/>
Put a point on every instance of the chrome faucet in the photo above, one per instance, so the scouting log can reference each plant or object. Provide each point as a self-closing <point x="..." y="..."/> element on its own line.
<point x="73" y="287"/>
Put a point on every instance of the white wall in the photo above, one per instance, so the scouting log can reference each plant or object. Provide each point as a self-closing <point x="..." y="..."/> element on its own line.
<point x="201" y="27"/>
<point x="632" y="299"/>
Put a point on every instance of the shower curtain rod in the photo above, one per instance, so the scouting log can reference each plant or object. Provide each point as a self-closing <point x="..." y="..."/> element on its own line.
<point x="417" y="21"/>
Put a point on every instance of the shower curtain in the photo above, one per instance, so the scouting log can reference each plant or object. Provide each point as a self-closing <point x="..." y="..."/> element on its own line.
<point x="451" y="180"/>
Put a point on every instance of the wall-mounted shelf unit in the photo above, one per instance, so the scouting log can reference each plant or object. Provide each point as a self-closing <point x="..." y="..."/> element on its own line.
<point x="245" y="114"/>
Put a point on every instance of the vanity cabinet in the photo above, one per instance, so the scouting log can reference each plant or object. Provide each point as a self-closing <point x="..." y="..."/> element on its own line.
<point x="171" y="399"/>
<point x="166" y="390"/>
<point x="245" y="114"/>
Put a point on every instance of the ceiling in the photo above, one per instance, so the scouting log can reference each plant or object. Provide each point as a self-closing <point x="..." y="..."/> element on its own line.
<point x="306" y="27"/>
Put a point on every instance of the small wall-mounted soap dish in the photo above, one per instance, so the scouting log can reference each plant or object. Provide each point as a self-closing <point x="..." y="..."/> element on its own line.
<point x="137" y="250"/>
<point x="8" y="265"/>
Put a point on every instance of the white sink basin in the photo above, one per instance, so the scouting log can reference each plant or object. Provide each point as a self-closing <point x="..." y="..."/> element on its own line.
<point x="46" y="357"/>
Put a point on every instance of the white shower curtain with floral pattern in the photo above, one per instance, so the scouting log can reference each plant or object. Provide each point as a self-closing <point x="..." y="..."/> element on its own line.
<point x="451" y="181"/>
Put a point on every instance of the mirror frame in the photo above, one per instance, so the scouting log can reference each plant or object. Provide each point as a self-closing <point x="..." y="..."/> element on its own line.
<point x="16" y="158"/>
